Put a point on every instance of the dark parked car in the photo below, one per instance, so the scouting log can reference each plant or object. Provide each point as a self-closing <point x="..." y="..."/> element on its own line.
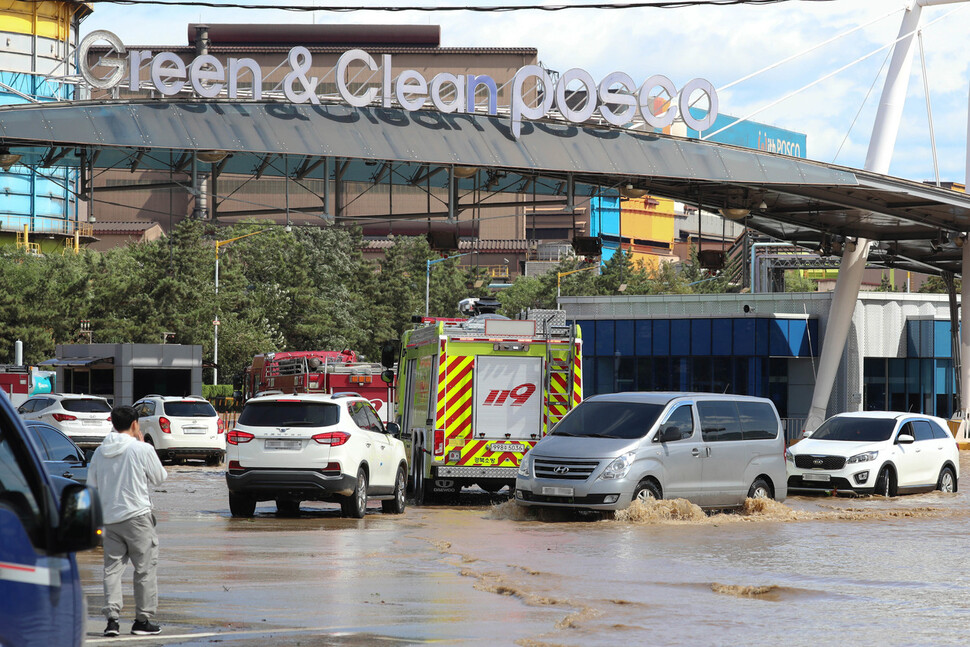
<point x="62" y="457"/>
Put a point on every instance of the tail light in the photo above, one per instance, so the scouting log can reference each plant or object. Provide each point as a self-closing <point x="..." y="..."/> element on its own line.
<point x="236" y="437"/>
<point x="220" y="427"/>
<point x="332" y="438"/>
<point x="235" y="465"/>
<point x="61" y="417"/>
<point x="439" y="442"/>
<point x="165" y="424"/>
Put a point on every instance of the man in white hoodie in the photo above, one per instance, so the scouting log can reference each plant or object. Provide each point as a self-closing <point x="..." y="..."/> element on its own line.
<point x="122" y="470"/>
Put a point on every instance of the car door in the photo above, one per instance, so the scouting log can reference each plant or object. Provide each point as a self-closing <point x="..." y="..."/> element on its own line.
<point x="146" y="418"/>
<point x="63" y="457"/>
<point x="907" y="457"/>
<point x="726" y="455"/>
<point x="371" y="444"/>
<point x="386" y="454"/>
<point x="683" y="459"/>
<point x="929" y="457"/>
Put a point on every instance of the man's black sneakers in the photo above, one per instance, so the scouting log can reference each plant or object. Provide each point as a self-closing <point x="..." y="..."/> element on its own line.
<point x="144" y="628"/>
<point x="112" y="629"/>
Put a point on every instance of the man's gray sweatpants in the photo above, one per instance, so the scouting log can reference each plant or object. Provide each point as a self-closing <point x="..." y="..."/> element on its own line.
<point x="135" y="540"/>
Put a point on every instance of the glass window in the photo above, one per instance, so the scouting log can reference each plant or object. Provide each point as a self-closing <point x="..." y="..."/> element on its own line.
<point x="682" y="418"/>
<point x="721" y="379"/>
<point x="373" y="419"/>
<point x="743" y="336"/>
<point x="188" y="409"/>
<point x="604" y="419"/>
<point x="778" y="338"/>
<point x="290" y="414"/>
<point x="16" y="494"/>
<point x="644" y="345"/>
<point x="661" y="337"/>
<point x="763" y="337"/>
<point x="624" y="336"/>
<point x="719" y="421"/>
<point x="700" y="374"/>
<point x="644" y="374"/>
<point x="938" y="431"/>
<point x="941" y="339"/>
<point x="797" y="337"/>
<point x="758" y="420"/>
<point x="604" y="375"/>
<point x="721" y="336"/>
<point x="626" y="374"/>
<point x="926" y="338"/>
<point x="874" y="384"/>
<point x="85" y="405"/>
<point x="59" y="448"/>
<point x="27" y="406"/>
<point x="662" y="378"/>
<point x="700" y="337"/>
<point x="856" y="429"/>
<point x="604" y="337"/>
<point x="588" y="329"/>
<point x="922" y="430"/>
<point x="680" y="336"/>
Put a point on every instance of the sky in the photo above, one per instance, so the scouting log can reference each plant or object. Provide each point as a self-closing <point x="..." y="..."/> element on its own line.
<point x="718" y="43"/>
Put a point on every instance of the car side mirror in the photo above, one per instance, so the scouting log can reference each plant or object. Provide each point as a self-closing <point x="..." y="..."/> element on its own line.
<point x="79" y="526"/>
<point x="806" y="434"/>
<point x="669" y="434"/>
<point x="393" y="428"/>
<point x="388" y="354"/>
<point x="905" y="439"/>
<point x="387" y="376"/>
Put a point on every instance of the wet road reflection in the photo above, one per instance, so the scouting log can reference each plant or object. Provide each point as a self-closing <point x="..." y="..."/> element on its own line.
<point x="812" y="571"/>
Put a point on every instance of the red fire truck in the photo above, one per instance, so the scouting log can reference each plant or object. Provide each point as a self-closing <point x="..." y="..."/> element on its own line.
<point x="21" y="382"/>
<point x="321" y="371"/>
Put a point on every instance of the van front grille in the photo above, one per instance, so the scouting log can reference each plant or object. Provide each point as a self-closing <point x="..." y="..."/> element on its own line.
<point x="563" y="469"/>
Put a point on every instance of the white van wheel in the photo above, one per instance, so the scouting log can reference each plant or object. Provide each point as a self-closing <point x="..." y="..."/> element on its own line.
<point x="759" y="490"/>
<point x="646" y="491"/>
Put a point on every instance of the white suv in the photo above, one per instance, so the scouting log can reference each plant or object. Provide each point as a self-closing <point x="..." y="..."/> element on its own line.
<point x="180" y="428"/>
<point x="85" y="419"/>
<point x="875" y="452"/>
<point x="293" y="448"/>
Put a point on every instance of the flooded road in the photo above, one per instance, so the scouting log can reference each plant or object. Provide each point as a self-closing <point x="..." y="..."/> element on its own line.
<point x="812" y="571"/>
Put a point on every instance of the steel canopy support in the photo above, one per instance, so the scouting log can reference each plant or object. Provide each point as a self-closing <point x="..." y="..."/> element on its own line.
<point x="881" y="145"/>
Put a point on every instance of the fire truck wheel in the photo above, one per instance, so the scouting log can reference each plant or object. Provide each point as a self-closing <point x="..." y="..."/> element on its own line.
<point x="355" y="505"/>
<point x="396" y="505"/>
<point x="420" y="484"/>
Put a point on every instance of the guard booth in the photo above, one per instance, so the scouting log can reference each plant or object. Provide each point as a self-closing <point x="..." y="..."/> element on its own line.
<point x="123" y="373"/>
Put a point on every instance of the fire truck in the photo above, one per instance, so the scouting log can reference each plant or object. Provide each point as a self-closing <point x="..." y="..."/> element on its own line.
<point x="21" y="382"/>
<point x="475" y="395"/>
<point x="321" y="372"/>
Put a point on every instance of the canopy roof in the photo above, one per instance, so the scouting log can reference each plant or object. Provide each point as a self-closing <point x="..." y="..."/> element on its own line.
<point x="805" y="202"/>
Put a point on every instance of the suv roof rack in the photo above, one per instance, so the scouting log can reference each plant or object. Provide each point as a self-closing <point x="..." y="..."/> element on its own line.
<point x="269" y="392"/>
<point x="151" y="395"/>
<point x="346" y="394"/>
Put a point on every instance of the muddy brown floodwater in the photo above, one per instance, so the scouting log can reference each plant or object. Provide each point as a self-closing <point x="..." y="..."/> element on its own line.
<point x="811" y="571"/>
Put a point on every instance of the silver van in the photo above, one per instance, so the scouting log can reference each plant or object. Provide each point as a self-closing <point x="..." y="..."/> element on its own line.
<point x="714" y="450"/>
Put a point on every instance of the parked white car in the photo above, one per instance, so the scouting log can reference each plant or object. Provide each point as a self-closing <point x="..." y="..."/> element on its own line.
<point x="875" y="452"/>
<point x="85" y="419"/>
<point x="181" y="428"/>
<point x="293" y="448"/>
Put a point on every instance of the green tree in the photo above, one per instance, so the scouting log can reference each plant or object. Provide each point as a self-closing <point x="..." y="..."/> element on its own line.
<point x="795" y="282"/>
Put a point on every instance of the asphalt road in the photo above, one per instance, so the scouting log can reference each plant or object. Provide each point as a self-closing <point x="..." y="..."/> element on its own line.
<point x="809" y="572"/>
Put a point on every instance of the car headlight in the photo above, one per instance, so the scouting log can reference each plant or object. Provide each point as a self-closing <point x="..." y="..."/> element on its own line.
<point x="863" y="457"/>
<point x="524" y="470"/>
<point x="789" y="456"/>
<point x="619" y="467"/>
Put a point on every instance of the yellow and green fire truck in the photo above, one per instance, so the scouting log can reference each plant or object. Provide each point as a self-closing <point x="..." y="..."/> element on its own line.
<point x="474" y="395"/>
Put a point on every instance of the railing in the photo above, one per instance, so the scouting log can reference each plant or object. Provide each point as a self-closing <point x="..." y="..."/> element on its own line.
<point x="497" y="271"/>
<point x="793" y="429"/>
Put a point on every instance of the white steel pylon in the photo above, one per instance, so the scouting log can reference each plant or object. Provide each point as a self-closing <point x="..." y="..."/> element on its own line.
<point x="846" y="293"/>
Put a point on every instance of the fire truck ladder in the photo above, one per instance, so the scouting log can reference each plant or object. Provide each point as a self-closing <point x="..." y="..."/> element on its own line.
<point x="559" y="404"/>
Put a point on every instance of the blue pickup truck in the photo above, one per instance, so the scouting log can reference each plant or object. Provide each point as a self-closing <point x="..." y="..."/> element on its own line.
<point x="44" y="520"/>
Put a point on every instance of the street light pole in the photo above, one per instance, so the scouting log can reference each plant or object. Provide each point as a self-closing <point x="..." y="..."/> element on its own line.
<point x="427" y="276"/>
<point x="215" y="322"/>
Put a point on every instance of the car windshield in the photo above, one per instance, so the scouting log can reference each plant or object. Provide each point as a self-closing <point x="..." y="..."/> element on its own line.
<point x="188" y="408"/>
<point x="86" y="405"/>
<point x="855" y="429"/>
<point x="604" y="419"/>
<point x="290" y="414"/>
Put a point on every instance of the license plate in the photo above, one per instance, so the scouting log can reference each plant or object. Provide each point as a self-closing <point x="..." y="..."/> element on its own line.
<point x="91" y="423"/>
<point x="506" y="447"/>
<point x="194" y="430"/>
<point x="557" y="491"/>
<point x="817" y="477"/>
<point x="283" y="444"/>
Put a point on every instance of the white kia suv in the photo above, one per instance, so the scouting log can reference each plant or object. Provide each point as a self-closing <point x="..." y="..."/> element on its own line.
<point x="875" y="452"/>
<point x="302" y="447"/>
<point x="85" y="419"/>
<point x="181" y="428"/>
